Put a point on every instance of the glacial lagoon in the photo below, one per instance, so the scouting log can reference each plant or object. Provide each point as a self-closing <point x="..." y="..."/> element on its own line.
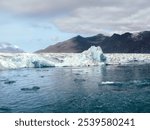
<point x="99" y="89"/>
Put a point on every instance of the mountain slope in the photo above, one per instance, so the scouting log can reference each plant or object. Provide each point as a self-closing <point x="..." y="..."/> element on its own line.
<point x="125" y="43"/>
<point x="74" y="45"/>
<point x="9" y="48"/>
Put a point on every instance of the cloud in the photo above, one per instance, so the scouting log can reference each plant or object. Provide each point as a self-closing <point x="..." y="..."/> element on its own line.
<point x="86" y="16"/>
<point x="35" y="7"/>
<point x="125" y="17"/>
<point x="42" y="26"/>
<point x="54" y="38"/>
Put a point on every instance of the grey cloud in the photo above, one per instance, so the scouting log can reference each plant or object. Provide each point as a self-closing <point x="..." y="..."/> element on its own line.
<point x="86" y="16"/>
<point x="129" y="16"/>
<point x="44" y="6"/>
<point x="51" y="6"/>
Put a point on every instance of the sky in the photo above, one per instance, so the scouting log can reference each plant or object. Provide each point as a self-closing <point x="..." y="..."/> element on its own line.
<point x="36" y="24"/>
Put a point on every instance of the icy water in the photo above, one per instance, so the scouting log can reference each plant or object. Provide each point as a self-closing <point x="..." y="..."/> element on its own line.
<point x="92" y="89"/>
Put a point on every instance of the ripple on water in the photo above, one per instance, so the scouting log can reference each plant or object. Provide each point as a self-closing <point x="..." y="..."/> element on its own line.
<point x="4" y="109"/>
<point x="34" y="88"/>
<point x="9" y="82"/>
<point x="79" y="80"/>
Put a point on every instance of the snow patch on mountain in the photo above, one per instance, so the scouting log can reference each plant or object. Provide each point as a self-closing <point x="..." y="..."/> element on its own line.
<point x="136" y="36"/>
<point x="9" y="48"/>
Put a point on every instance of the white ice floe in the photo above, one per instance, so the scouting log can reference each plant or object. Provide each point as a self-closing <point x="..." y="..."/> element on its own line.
<point x="92" y="57"/>
<point x="107" y="82"/>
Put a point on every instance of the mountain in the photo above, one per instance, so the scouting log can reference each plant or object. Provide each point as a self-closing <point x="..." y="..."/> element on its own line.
<point x="9" y="48"/>
<point x="74" y="45"/>
<point x="127" y="43"/>
<point x="124" y="43"/>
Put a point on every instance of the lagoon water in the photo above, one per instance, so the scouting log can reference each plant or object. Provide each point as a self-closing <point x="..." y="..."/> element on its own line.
<point x="90" y="89"/>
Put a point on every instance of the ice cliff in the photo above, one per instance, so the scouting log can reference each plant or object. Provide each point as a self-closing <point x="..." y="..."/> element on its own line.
<point x="92" y="57"/>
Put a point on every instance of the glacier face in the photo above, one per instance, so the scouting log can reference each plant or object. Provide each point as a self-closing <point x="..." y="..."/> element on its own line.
<point x="92" y="57"/>
<point x="127" y="58"/>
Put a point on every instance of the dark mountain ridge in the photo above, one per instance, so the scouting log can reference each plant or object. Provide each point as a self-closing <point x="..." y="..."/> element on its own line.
<point x="124" y="43"/>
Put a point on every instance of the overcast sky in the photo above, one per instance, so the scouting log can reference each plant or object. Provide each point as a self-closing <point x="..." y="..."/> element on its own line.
<point x="35" y="24"/>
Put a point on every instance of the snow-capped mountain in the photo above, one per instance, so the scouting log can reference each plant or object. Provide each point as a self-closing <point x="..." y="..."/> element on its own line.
<point x="9" y="48"/>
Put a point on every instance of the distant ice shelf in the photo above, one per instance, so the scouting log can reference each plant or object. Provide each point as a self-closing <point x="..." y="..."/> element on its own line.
<point x="92" y="57"/>
<point x="127" y="58"/>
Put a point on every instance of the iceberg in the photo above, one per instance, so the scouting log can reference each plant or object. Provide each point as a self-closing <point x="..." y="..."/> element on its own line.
<point x="92" y="57"/>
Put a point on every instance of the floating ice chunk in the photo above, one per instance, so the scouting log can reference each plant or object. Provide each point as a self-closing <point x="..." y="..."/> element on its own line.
<point x="107" y="82"/>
